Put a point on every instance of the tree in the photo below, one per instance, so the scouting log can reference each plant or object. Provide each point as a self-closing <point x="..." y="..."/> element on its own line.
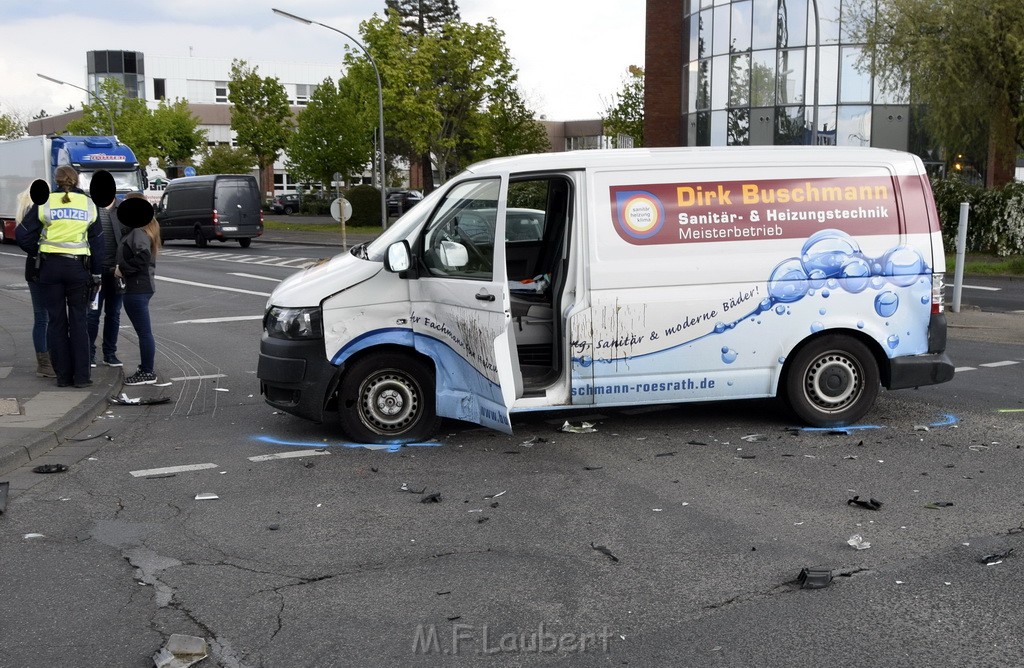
<point x="333" y="133"/>
<point x="963" y="58"/>
<point x="12" y="125"/>
<point x="223" y="159"/>
<point x="625" y="114"/>
<point x="260" y="116"/>
<point x="423" y="16"/>
<point x="176" y="132"/>
<point x="170" y="132"/>
<point x="437" y="84"/>
<point x="508" y="127"/>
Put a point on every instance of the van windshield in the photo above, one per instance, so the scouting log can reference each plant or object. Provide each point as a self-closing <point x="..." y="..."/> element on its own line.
<point x="403" y="227"/>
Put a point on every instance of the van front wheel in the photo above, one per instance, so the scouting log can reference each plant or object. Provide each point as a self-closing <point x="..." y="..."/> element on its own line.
<point x="833" y="381"/>
<point x="388" y="399"/>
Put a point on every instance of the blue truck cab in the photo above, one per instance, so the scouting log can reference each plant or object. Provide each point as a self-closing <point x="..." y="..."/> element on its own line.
<point x="91" y="154"/>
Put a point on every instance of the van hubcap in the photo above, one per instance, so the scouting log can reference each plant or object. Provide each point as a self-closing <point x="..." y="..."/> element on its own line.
<point x="833" y="381"/>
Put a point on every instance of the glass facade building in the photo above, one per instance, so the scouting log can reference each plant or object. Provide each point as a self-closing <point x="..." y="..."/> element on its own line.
<point x="748" y="77"/>
<point x="128" y="67"/>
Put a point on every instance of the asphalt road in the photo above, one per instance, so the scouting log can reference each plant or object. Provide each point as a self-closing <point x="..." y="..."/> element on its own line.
<point x="671" y="536"/>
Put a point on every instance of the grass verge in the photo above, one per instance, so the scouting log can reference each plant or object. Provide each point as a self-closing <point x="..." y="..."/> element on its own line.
<point x="988" y="265"/>
<point x="286" y="226"/>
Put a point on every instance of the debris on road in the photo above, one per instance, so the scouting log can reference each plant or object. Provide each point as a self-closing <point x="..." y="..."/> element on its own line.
<point x="124" y="400"/>
<point x="870" y="504"/>
<point x="671" y="453"/>
<point x="405" y="488"/>
<point x="605" y="551"/>
<point x="857" y="541"/>
<point x="89" y="437"/>
<point x="592" y="468"/>
<point x="584" y="428"/>
<point x="996" y="557"/>
<point x="937" y="505"/>
<point x="814" y="578"/>
<point x="432" y="498"/>
<point x="181" y="651"/>
<point x="4" y="488"/>
<point x="206" y="496"/>
<point x="750" y="438"/>
<point x="33" y="536"/>
<point x="529" y="443"/>
<point x="494" y="496"/>
<point x="50" y="468"/>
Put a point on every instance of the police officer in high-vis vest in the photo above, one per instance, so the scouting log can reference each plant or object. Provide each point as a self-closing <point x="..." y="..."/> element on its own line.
<point x="67" y="232"/>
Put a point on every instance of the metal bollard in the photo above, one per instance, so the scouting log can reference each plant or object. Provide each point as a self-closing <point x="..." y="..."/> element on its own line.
<point x="961" y="251"/>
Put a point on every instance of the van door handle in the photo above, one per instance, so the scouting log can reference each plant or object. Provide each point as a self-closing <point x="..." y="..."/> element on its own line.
<point x="484" y="297"/>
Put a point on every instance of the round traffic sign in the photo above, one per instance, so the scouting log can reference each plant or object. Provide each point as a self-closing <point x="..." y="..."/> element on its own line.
<point x="341" y="209"/>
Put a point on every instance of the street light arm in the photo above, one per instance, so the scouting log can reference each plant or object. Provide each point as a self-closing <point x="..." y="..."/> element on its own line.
<point x="103" y="103"/>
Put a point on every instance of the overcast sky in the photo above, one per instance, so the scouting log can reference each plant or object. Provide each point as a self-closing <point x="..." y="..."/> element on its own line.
<point x="571" y="54"/>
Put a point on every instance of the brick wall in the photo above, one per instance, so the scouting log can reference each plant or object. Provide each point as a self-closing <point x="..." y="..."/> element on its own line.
<point x="663" y="74"/>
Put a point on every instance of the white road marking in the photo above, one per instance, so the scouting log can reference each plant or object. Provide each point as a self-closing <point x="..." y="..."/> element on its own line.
<point x="964" y="368"/>
<point x="212" y="287"/>
<point x="206" y="321"/>
<point x="1003" y="363"/>
<point x="212" y="375"/>
<point x="172" y="469"/>
<point x="258" y="278"/>
<point x="288" y="455"/>
<point x="269" y="261"/>
<point x="982" y="287"/>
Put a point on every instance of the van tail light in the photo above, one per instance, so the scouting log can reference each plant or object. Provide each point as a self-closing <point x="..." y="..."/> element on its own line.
<point x="216" y="220"/>
<point x="938" y="293"/>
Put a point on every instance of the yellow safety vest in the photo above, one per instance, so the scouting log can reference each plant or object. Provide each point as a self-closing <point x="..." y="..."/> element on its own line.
<point x="66" y="224"/>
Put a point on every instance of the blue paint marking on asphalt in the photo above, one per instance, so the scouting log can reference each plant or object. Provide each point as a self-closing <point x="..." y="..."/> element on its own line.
<point x="946" y="421"/>
<point x="844" y="430"/>
<point x="386" y="447"/>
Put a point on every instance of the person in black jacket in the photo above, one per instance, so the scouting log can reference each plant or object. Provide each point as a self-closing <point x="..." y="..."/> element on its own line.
<point x="110" y="296"/>
<point x="39" y="318"/>
<point x="136" y="264"/>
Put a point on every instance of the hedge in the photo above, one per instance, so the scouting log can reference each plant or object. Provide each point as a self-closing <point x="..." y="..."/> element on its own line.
<point x="996" y="222"/>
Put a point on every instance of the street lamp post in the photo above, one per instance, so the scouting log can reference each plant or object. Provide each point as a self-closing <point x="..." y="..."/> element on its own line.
<point x="380" y="103"/>
<point x="110" y="114"/>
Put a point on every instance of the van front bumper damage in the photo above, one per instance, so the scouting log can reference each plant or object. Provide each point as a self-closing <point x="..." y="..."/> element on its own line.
<point x="295" y="377"/>
<point x="930" y="369"/>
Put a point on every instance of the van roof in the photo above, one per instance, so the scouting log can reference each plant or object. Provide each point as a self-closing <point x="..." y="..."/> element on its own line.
<point x="207" y="178"/>
<point x="706" y="156"/>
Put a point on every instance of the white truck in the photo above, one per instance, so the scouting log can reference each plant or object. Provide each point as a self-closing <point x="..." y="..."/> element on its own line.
<point x="24" y="160"/>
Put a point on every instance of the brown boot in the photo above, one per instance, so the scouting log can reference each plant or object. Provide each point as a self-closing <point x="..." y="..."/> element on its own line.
<point x="44" y="368"/>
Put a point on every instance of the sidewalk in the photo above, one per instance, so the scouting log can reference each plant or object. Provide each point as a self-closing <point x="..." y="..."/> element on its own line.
<point x="38" y="419"/>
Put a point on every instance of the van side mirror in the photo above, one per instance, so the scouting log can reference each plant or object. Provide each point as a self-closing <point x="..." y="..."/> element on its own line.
<point x="453" y="255"/>
<point x="398" y="257"/>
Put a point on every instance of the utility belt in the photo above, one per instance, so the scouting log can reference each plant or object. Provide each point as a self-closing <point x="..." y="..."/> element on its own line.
<point x="43" y="256"/>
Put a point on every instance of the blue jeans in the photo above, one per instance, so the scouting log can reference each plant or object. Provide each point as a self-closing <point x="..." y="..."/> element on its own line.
<point x="136" y="305"/>
<point x="110" y="309"/>
<point x="39" y="317"/>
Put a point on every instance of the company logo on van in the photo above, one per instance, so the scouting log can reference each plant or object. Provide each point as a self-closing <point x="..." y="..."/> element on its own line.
<point x="640" y="214"/>
<point x="104" y="157"/>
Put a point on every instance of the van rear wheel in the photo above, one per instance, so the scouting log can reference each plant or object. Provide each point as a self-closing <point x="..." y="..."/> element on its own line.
<point x="388" y="399"/>
<point x="832" y="381"/>
<point x="200" y="239"/>
<point x="245" y="242"/>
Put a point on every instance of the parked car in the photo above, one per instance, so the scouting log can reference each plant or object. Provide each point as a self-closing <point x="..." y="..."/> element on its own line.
<point x="286" y="204"/>
<point x="400" y="201"/>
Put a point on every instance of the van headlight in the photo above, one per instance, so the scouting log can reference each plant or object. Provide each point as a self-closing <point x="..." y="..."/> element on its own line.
<point x="294" y="323"/>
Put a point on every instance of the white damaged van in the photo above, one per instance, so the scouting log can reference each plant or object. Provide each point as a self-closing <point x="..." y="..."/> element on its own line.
<point x="619" y="278"/>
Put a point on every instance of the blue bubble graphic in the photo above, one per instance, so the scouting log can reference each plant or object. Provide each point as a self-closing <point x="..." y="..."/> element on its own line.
<point x="788" y="282"/>
<point x="825" y="294"/>
<point x="893" y="341"/>
<point x="782" y="360"/>
<point x="586" y="361"/>
<point x="729" y="356"/>
<point x="856" y="274"/>
<point x="903" y="265"/>
<point x="886" y="303"/>
<point x="827" y="251"/>
<point x="860" y="324"/>
<point x="719" y="327"/>
<point x="781" y="310"/>
<point x="877" y="282"/>
<point x="925" y="299"/>
<point x="816" y="277"/>
<point x="817" y="326"/>
<point x="821" y="311"/>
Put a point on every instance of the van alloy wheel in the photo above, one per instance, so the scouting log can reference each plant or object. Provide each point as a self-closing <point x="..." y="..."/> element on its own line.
<point x="832" y="381"/>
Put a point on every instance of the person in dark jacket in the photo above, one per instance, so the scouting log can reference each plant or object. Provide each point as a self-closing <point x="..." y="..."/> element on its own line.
<point x="110" y="295"/>
<point x="136" y="264"/>
<point x="66" y="232"/>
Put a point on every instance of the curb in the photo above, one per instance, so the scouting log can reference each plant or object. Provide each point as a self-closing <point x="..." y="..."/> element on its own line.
<point x="56" y="433"/>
